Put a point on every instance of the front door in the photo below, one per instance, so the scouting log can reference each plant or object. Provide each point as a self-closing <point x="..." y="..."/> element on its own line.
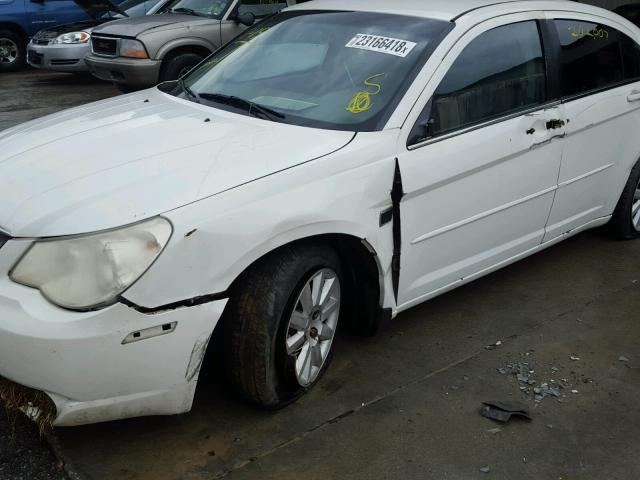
<point x="599" y="84"/>
<point x="481" y="167"/>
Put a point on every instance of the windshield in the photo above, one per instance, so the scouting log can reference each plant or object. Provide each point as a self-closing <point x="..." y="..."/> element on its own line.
<point x="135" y="8"/>
<point x="130" y="8"/>
<point x="333" y="70"/>
<point x="203" y="8"/>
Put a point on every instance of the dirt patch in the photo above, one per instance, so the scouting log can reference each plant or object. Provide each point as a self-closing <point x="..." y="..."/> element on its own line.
<point x="18" y="400"/>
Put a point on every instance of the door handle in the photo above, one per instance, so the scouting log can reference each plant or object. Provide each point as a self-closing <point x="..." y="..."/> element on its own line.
<point x="554" y="124"/>
<point x="634" y="96"/>
<point x="531" y="131"/>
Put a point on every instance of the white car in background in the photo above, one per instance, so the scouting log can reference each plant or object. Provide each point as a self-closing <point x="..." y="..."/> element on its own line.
<point x="336" y="164"/>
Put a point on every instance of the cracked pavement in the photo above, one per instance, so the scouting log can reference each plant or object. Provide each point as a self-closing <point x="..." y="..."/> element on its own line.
<point x="404" y="404"/>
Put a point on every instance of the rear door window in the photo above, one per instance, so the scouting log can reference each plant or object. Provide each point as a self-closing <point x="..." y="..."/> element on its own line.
<point x="594" y="57"/>
<point x="500" y="72"/>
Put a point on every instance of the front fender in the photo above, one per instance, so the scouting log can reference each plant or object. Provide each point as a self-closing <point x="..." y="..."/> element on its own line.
<point x="217" y="238"/>
<point x="181" y="43"/>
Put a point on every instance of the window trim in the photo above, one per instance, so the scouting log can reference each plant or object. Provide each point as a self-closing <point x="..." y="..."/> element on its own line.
<point x="536" y="108"/>
<point x="546" y="104"/>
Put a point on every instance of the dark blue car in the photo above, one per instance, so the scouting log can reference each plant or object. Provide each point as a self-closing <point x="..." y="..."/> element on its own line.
<point x="21" y="19"/>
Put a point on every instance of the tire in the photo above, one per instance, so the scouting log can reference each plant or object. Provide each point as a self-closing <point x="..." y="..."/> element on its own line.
<point x="124" y="88"/>
<point x="625" y="223"/>
<point x="265" y="312"/>
<point x="178" y="65"/>
<point x="13" y="51"/>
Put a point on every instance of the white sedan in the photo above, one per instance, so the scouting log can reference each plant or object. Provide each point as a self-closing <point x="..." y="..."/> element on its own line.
<point x="335" y="165"/>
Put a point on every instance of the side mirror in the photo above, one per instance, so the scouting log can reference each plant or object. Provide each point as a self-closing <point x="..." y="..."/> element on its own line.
<point x="424" y="127"/>
<point x="423" y="130"/>
<point x="245" y="18"/>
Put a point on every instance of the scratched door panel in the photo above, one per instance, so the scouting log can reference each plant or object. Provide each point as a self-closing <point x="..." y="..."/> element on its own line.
<point x="479" y="190"/>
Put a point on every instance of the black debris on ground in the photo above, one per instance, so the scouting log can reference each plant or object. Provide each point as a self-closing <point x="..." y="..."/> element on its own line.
<point x="23" y="454"/>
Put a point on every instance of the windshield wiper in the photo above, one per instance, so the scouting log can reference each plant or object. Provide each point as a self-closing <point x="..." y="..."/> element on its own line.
<point x="190" y="93"/>
<point x="188" y="11"/>
<point x="251" y="107"/>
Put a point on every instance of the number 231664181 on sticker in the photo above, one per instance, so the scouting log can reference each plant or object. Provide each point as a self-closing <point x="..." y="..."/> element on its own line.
<point x="376" y="43"/>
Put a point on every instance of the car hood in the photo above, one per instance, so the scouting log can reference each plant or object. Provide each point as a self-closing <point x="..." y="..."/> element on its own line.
<point x="96" y="7"/>
<point x="134" y="26"/>
<point x="53" y="32"/>
<point x="122" y="160"/>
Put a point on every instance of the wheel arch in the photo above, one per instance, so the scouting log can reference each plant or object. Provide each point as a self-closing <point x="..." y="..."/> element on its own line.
<point x="364" y="278"/>
<point x="184" y="45"/>
<point x="14" y="27"/>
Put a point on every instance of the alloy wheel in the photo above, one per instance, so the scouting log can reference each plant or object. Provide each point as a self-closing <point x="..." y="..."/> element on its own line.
<point x="312" y="325"/>
<point x="8" y="51"/>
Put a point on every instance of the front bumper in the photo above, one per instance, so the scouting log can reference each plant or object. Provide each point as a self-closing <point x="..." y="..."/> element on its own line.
<point x="59" y="57"/>
<point x="79" y="360"/>
<point x="130" y="71"/>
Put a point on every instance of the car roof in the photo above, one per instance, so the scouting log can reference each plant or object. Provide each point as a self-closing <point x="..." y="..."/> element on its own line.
<point x="439" y="9"/>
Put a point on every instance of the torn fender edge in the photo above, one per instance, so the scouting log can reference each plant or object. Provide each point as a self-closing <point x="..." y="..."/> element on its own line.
<point x="397" y="193"/>
<point x="189" y="302"/>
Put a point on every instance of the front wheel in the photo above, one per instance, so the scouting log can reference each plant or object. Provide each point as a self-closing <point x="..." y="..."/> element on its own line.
<point x="282" y="321"/>
<point x="13" y="51"/>
<point x="179" y="65"/>
<point x="625" y="222"/>
<point x="124" y="88"/>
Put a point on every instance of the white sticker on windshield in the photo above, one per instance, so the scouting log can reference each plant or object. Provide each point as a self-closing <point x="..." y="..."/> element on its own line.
<point x="376" y="43"/>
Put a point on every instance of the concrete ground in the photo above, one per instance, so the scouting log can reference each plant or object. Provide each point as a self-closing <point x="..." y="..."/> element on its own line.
<point x="23" y="454"/>
<point x="406" y="404"/>
<point x="32" y="94"/>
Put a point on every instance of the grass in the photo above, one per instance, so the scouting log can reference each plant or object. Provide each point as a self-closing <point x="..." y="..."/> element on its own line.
<point x="36" y="405"/>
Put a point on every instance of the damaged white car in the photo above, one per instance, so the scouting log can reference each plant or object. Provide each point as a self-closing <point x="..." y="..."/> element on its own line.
<point x="337" y="164"/>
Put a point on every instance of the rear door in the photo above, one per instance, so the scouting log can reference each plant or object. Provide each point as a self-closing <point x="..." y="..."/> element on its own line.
<point x="599" y="72"/>
<point x="481" y="162"/>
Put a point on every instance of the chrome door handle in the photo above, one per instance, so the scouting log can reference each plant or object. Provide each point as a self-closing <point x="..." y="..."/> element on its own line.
<point x="634" y="96"/>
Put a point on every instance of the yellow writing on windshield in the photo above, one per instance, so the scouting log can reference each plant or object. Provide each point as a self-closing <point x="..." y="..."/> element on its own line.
<point x="361" y="101"/>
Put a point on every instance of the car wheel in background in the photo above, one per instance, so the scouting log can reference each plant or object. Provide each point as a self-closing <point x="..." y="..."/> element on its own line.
<point x="178" y="65"/>
<point x="124" y="88"/>
<point x="12" y="51"/>
<point x="625" y="222"/>
<point x="280" y="324"/>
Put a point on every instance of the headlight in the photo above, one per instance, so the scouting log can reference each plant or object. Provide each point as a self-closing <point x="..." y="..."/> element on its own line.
<point x="73" y="37"/>
<point x="90" y="271"/>
<point x="132" y="48"/>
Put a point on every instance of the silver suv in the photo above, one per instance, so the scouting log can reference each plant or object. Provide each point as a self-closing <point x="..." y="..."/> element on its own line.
<point x="140" y="52"/>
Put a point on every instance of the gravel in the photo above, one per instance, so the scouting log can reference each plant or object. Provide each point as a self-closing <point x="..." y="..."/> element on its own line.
<point x="23" y="454"/>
